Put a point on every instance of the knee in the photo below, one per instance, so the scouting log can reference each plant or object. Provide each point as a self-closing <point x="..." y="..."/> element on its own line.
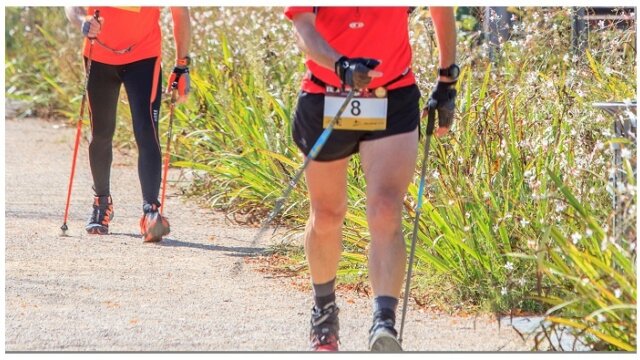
<point x="327" y="218"/>
<point x="101" y="141"/>
<point x="384" y="210"/>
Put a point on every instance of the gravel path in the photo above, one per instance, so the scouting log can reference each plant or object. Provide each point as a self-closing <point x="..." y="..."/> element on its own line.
<point x="114" y="293"/>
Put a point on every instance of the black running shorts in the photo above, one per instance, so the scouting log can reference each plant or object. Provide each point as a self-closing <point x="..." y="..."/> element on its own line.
<point x="403" y="115"/>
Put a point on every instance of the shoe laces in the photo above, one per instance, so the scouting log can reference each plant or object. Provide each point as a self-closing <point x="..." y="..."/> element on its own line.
<point x="384" y="318"/>
<point x="150" y="208"/>
<point x="324" y="324"/>
<point x="102" y="207"/>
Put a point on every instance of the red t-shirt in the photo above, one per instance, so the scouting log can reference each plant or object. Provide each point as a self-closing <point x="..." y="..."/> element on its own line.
<point x="381" y="33"/>
<point x="123" y="27"/>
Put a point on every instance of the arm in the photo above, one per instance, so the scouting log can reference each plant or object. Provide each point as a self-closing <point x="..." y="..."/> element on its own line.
<point x="444" y="93"/>
<point x="181" y="31"/>
<point x="445" y="26"/>
<point x="353" y="72"/>
<point x="182" y="35"/>
<point x="311" y="43"/>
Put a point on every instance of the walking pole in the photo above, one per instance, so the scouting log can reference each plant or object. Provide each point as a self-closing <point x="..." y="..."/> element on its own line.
<point x="64" y="226"/>
<point x="431" y="106"/>
<point x="313" y="153"/>
<point x="172" y="105"/>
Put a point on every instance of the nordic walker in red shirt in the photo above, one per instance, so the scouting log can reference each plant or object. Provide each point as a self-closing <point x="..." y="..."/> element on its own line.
<point x="368" y="49"/>
<point x="127" y="50"/>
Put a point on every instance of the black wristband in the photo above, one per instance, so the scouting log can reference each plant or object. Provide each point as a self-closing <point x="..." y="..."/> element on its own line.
<point x="180" y="70"/>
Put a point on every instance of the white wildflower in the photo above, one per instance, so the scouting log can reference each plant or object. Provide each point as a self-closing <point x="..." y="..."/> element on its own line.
<point x="531" y="244"/>
<point x="601" y="24"/>
<point x="508" y="266"/>
<point x="467" y="215"/>
<point x="625" y="153"/>
<point x="617" y="293"/>
<point x="436" y="174"/>
<point x="487" y="195"/>
<point x="575" y="237"/>
<point x="503" y="291"/>
<point x="524" y="222"/>
<point x="589" y="232"/>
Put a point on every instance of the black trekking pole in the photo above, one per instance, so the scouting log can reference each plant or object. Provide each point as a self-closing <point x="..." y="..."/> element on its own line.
<point x="313" y="153"/>
<point x="172" y="106"/>
<point x="64" y="226"/>
<point x="431" y="106"/>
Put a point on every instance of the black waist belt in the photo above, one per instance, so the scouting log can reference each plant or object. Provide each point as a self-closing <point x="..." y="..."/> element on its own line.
<point x="319" y="82"/>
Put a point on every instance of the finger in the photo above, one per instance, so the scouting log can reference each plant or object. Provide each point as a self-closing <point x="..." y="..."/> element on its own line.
<point x="183" y="98"/>
<point x="441" y="131"/>
<point x="374" y="74"/>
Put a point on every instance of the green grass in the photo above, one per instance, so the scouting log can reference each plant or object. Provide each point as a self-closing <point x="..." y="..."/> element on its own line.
<point x="523" y="175"/>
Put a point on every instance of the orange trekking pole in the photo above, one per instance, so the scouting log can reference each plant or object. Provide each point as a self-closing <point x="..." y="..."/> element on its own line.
<point x="167" y="154"/>
<point x="64" y="226"/>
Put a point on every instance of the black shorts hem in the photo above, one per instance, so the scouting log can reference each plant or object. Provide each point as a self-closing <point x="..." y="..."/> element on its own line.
<point x="403" y="116"/>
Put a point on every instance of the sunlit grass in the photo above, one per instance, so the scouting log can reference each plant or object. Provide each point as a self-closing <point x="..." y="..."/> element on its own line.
<point x="523" y="175"/>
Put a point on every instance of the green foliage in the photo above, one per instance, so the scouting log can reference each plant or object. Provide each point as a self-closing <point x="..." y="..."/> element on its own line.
<point x="523" y="174"/>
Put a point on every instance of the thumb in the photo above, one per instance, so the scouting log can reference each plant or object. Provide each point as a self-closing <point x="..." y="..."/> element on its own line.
<point x="374" y="74"/>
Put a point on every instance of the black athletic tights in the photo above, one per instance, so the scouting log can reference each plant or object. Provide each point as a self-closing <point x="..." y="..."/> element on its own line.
<point x="143" y="83"/>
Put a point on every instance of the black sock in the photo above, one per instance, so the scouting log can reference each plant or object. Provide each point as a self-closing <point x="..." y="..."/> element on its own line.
<point x="385" y="304"/>
<point x="324" y="293"/>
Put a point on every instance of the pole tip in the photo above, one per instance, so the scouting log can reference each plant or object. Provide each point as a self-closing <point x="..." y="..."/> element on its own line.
<point x="64" y="229"/>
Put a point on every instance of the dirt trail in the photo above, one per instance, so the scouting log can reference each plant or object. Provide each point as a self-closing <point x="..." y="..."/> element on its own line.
<point x="114" y="293"/>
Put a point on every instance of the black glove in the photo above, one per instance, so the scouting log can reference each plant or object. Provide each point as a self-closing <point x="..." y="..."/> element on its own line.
<point x="444" y="96"/>
<point x="354" y="72"/>
<point x="180" y="77"/>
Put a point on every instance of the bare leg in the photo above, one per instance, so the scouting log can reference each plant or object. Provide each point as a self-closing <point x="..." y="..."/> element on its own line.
<point x="388" y="165"/>
<point x="327" y="184"/>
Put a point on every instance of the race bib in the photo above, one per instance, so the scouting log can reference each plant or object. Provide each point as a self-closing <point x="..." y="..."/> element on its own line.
<point x="362" y="113"/>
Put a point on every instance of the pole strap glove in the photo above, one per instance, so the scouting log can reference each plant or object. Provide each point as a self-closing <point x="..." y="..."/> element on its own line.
<point x="180" y="80"/>
<point x="444" y="96"/>
<point x="91" y="25"/>
<point x="355" y="72"/>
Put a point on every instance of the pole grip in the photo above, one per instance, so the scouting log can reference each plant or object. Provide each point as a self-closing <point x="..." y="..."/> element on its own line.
<point x="431" y="119"/>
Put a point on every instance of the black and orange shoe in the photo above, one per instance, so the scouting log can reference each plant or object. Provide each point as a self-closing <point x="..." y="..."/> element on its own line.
<point x="153" y="226"/>
<point x="383" y="337"/>
<point x="101" y="216"/>
<point x="325" y="328"/>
